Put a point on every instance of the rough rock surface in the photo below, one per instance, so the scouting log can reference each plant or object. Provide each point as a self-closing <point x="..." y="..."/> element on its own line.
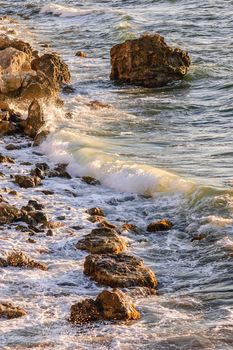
<point x="19" y="259"/>
<point x="162" y="225"/>
<point x="35" y="119"/>
<point x="8" y="213"/>
<point x="148" y="61"/>
<point x="109" y="305"/>
<point x="102" y="241"/>
<point x="119" y="270"/>
<point x="27" y="181"/>
<point x="95" y="211"/>
<point x="7" y="310"/>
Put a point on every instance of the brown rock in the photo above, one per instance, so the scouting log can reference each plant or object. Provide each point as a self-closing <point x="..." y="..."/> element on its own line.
<point x="35" y="119"/>
<point x="7" y="310"/>
<point x="130" y="227"/>
<point x="40" y="137"/>
<point x="6" y="128"/>
<point x="95" y="211"/>
<point x="102" y="241"/>
<point x="95" y="105"/>
<point x="54" y="68"/>
<point x="19" y="259"/>
<point x="80" y="54"/>
<point x="109" y="305"/>
<point x="90" y="180"/>
<point x="148" y="61"/>
<point x="162" y="225"/>
<point x="60" y="171"/>
<point x="20" y="45"/>
<point x="27" y="181"/>
<point x="119" y="270"/>
<point x="106" y="224"/>
<point x="6" y="159"/>
<point x="8" y="213"/>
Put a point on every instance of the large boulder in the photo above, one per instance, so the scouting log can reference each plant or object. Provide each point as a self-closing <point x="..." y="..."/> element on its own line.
<point x="53" y="67"/>
<point x="148" y="61"/>
<point x="102" y="241"/>
<point x="109" y="305"/>
<point x="119" y="270"/>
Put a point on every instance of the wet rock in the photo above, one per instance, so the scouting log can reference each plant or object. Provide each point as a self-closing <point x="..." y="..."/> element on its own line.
<point x="6" y="42"/>
<point x="54" y="68"/>
<point x="12" y="147"/>
<point x="43" y="166"/>
<point x="130" y="227"/>
<point x="53" y="224"/>
<point x="199" y="237"/>
<point x="9" y="311"/>
<point x="95" y="218"/>
<point x="102" y="241"/>
<point x="35" y="120"/>
<point x="106" y="224"/>
<point x="80" y="54"/>
<point x="109" y="305"/>
<point x="6" y="159"/>
<point x="60" y="171"/>
<point x="90" y="180"/>
<point x="40" y="137"/>
<point x="119" y="270"/>
<point x="26" y="181"/>
<point x="96" y="105"/>
<point x="6" y="128"/>
<point x="19" y="259"/>
<point x="162" y="225"/>
<point x="3" y="262"/>
<point x="148" y="61"/>
<point x="49" y="233"/>
<point x="47" y="192"/>
<point x="95" y="211"/>
<point x="13" y="193"/>
<point x="68" y="89"/>
<point x="8" y="213"/>
<point x="35" y="204"/>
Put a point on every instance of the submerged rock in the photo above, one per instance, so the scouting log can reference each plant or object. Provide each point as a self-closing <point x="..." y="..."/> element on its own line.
<point x="7" y="310"/>
<point x="130" y="228"/>
<point x="148" y="61"/>
<point x="6" y="159"/>
<point x="95" y="212"/>
<point x="102" y="241"/>
<point x="109" y="305"/>
<point x="90" y="180"/>
<point x="119" y="270"/>
<point x="162" y="225"/>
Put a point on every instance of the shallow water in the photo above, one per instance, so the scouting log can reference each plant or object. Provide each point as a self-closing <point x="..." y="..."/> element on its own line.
<point x="158" y="152"/>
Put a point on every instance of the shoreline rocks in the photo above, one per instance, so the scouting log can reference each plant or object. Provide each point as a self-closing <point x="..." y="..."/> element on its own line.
<point x="9" y="311"/>
<point x="109" y="305"/>
<point x="162" y="225"/>
<point x="119" y="270"/>
<point x="148" y="61"/>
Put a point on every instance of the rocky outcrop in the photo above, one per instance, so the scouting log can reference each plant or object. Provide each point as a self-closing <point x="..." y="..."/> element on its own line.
<point x="148" y="61"/>
<point x="26" y="75"/>
<point x="102" y="241"/>
<point x="119" y="270"/>
<point x="9" y="311"/>
<point x="162" y="225"/>
<point x="109" y="305"/>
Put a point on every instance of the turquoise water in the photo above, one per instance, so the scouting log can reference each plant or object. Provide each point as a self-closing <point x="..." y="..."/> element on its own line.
<point x="172" y="144"/>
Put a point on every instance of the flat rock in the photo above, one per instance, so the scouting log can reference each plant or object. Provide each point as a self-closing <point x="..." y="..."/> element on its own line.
<point x="119" y="270"/>
<point x="109" y="305"/>
<point x="102" y="241"/>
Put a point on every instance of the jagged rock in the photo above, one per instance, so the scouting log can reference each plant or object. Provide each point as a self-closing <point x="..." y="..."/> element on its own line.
<point x="54" y="68"/>
<point x="6" y="159"/>
<point x="19" y="259"/>
<point x="40" y="137"/>
<point x="60" y="171"/>
<point x="90" y="180"/>
<point x="102" y="241"/>
<point x="109" y="305"/>
<point x="26" y="181"/>
<point x="35" y="119"/>
<point x="20" y="45"/>
<point x="162" y="225"/>
<point x="6" y="128"/>
<point x="119" y="270"/>
<point x="148" y="61"/>
<point x="7" y="310"/>
<point x="8" y="213"/>
<point x="106" y="224"/>
<point x="130" y="227"/>
<point x="95" y="211"/>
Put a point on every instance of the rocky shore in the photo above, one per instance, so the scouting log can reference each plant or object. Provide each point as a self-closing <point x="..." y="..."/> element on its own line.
<point x="27" y="78"/>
